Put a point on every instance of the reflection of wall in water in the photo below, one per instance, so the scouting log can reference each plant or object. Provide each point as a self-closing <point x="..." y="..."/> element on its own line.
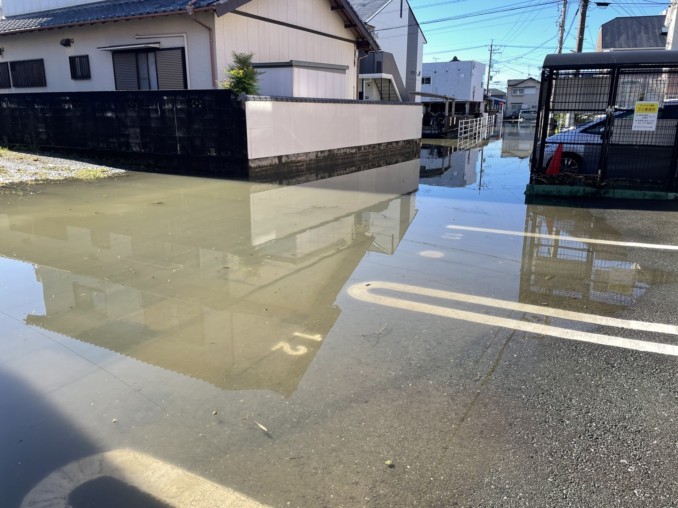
<point x="461" y="170"/>
<point x="239" y="311"/>
<point x="517" y="140"/>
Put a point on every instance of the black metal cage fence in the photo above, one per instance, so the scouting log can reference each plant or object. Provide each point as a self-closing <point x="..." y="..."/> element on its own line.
<point x="608" y="120"/>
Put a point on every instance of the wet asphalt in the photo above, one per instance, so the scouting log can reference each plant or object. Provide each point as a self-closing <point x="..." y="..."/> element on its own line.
<point x="412" y="336"/>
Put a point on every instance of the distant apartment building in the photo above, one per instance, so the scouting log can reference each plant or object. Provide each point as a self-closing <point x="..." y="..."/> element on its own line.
<point x="632" y="33"/>
<point x="461" y="80"/>
<point x="522" y="94"/>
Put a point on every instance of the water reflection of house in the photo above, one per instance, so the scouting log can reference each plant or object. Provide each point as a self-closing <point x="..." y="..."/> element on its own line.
<point x="517" y="140"/>
<point x="442" y="166"/>
<point x="219" y="281"/>
<point x="566" y="273"/>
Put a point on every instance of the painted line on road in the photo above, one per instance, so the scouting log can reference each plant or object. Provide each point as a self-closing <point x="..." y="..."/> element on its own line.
<point x="530" y="309"/>
<point x="166" y="482"/>
<point x="657" y="246"/>
<point x="364" y="292"/>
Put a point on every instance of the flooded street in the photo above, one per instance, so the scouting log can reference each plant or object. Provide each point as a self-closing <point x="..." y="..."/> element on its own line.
<point x="412" y="335"/>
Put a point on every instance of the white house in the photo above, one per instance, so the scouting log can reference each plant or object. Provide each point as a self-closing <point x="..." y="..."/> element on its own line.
<point x="397" y="31"/>
<point x="309" y="48"/>
<point x="462" y="80"/>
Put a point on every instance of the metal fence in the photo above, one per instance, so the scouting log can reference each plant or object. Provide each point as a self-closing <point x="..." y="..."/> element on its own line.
<point x="474" y="130"/>
<point x="608" y="120"/>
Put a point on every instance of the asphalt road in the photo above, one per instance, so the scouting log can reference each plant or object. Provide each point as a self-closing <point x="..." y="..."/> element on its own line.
<point x="351" y="343"/>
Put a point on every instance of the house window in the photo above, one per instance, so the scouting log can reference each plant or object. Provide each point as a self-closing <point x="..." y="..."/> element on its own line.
<point x="80" y="67"/>
<point x="518" y="91"/>
<point x="150" y="70"/>
<point x="426" y="80"/>
<point x="5" y="82"/>
<point x="28" y="73"/>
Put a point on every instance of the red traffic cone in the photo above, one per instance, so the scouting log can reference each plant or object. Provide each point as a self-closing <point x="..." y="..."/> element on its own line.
<point x="554" y="165"/>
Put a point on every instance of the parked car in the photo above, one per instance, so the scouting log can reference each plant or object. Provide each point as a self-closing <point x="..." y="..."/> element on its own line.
<point x="582" y="143"/>
<point x="527" y="115"/>
<point x="515" y="115"/>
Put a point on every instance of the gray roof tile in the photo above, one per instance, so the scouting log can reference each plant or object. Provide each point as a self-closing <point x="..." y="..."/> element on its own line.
<point x="366" y="9"/>
<point x="94" y="12"/>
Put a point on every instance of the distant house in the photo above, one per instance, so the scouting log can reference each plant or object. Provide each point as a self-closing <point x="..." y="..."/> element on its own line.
<point x="393" y="73"/>
<point x="462" y="80"/>
<point x="496" y="99"/>
<point x="632" y="33"/>
<point x="522" y="94"/>
<point x="305" y="49"/>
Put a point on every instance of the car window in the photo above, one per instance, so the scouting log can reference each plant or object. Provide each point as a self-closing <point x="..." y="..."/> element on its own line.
<point x="596" y="128"/>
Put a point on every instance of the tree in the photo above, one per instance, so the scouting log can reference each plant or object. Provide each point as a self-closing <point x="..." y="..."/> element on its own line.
<point x="242" y="76"/>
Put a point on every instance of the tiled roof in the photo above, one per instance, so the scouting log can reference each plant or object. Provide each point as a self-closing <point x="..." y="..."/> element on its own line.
<point x="111" y="10"/>
<point x="633" y="32"/>
<point x="366" y="9"/>
<point x="96" y="12"/>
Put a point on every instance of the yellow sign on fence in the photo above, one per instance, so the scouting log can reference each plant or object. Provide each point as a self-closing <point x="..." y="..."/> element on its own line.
<point x="645" y="116"/>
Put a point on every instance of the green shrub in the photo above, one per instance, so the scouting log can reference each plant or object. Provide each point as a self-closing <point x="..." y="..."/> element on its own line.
<point x="242" y="76"/>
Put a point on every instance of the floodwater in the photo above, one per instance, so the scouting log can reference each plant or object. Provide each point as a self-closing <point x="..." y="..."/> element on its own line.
<point x="412" y="335"/>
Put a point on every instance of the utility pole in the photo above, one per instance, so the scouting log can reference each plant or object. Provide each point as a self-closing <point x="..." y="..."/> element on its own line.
<point x="489" y="68"/>
<point x="561" y="27"/>
<point x="583" y="7"/>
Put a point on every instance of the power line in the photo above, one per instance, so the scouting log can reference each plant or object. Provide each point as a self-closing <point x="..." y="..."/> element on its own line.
<point x="473" y="14"/>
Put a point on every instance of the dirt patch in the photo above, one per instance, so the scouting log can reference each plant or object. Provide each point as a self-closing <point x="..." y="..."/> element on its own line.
<point x="17" y="168"/>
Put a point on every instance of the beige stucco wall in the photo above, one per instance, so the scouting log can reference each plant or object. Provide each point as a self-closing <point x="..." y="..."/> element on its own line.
<point x="276" y="43"/>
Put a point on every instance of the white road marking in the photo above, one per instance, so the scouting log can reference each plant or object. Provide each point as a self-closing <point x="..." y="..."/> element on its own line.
<point x="363" y="292"/>
<point x="561" y="238"/>
<point x="166" y="482"/>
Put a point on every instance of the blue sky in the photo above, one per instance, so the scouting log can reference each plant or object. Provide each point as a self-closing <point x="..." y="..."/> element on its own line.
<point x="524" y="31"/>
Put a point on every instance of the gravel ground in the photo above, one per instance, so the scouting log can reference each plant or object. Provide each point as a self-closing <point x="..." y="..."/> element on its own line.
<point x="25" y="168"/>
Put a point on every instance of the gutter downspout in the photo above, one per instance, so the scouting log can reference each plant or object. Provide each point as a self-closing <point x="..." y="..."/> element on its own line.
<point x="213" y="58"/>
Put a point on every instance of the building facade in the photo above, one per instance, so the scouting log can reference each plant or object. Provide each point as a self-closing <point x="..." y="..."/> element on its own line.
<point x="462" y="80"/>
<point x="397" y="32"/>
<point x="308" y="48"/>
<point x="522" y="94"/>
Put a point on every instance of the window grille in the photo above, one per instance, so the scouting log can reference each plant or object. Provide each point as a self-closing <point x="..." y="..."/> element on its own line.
<point x="28" y="73"/>
<point x="5" y="81"/>
<point x="80" y="67"/>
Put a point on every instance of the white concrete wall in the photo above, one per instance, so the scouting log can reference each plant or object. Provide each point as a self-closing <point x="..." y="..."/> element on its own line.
<point x="285" y="128"/>
<point x="87" y="39"/>
<point x="277" y="81"/>
<point x="275" y="43"/>
<point x="15" y="7"/>
<point x="319" y="83"/>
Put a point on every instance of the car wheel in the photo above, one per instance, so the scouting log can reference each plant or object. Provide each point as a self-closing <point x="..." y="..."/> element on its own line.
<point x="570" y="163"/>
